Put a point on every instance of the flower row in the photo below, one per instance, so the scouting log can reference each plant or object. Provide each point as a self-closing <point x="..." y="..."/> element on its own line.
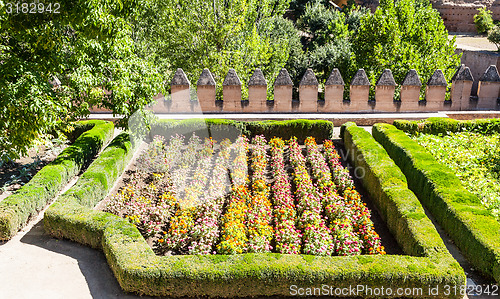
<point x="352" y="215"/>
<point x="147" y="208"/>
<point x="196" y="187"/>
<point x="346" y="241"/>
<point x="316" y="236"/>
<point x="260" y="231"/>
<point x="341" y="176"/>
<point x="233" y="229"/>
<point x="204" y="231"/>
<point x="287" y="236"/>
<point x="239" y="167"/>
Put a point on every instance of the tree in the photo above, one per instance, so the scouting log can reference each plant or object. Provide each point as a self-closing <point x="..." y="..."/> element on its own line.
<point x="325" y="40"/>
<point x="404" y="35"/>
<point x="494" y="36"/>
<point x="87" y="46"/>
<point x="218" y="34"/>
<point x="483" y="20"/>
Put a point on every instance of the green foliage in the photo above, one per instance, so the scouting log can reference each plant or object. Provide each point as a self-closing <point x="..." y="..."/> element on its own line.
<point x="474" y="158"/>
<point x="443" y="125"/>
<point x="88" y="46"/>
<point x="494" y="36"/>
<point x="300" y="128"/>
<point x="139" y="270"/>
<point x="282" y="35"/>
<point x="298" y="7"/>
<point x="219" y="129"/>
<point x="354" y="15"/>
<point x="216" y="34"/>
<point x="94" y="184"/>
<point x="325" y="41"/>
<point x="324" y="24"/>
<point x="403" y="35"/>
<point x="473" y="229"/>
<point x="16" y="209"/>
<point x="483" y="20"/>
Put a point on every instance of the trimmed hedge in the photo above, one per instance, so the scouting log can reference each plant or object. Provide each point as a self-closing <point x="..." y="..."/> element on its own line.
<point x="471" y="226"/>
<point x="225" y="128"/>
<point x="17" y="209"/>
<point x="139" y="270"/>
<point x="71" y="216"/>
<point x="443" y="125"/>
<point x="388" y="189"/>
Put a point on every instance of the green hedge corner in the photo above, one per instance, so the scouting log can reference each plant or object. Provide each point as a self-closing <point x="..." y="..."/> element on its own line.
<point x="18" y="208"/>
<point x="139" y="270"/>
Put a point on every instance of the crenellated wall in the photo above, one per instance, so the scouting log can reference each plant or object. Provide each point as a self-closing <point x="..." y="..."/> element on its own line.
<point x="185" y="99"/>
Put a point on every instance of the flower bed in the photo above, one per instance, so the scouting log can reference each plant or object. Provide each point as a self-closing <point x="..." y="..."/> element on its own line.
<point x="287" y="236"/>
<point x="139" y="270"/>
<point x="179" y="220"/>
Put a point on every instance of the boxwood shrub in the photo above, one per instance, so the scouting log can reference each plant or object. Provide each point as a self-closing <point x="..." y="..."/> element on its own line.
<point x="225" y="128"/>
<point x="471" y="226"/>
<point x="443" y="125"/>
<point x="18" y="208"/>
<point x="139" y="270"/>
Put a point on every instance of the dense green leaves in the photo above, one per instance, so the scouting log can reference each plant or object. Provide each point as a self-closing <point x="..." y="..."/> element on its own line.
<point x="400" y="35"/>
<point x="119" y="54"/>
<point x="474" y="158"/>
<point x="88" y="47"/>
<point x="494" y="36"/>
<point x="404" y="35"/>
<point x="483" y="20"/>
<point x="219" y="35"/>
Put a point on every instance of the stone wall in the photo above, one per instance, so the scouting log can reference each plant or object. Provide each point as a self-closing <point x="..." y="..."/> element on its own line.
<point x="458" y="16"/>
<point x="478" y="61"/>
<point x="185" y="99"/>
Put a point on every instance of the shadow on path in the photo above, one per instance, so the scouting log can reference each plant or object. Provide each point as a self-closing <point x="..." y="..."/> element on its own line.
<point x="92" y="262"/>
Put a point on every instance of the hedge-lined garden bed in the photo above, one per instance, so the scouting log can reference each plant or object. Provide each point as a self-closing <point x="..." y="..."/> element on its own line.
<point x="19" y="207"/>
<point x="474" y="158"/>
<point x="182" y="206"/>
<point x="462" y="215"/>
<point x="138" y="269"/>
<point x="470" y="148"/>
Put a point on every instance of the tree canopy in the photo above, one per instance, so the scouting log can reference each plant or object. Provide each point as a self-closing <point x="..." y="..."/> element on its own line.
<point x="217" y="34"/>
<point x="404" y="35"/>
<point x="118" y="54"/>
<point x="88" y="47"/>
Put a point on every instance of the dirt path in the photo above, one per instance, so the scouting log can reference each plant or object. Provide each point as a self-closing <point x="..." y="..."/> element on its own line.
<point x="473" y="42"/>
